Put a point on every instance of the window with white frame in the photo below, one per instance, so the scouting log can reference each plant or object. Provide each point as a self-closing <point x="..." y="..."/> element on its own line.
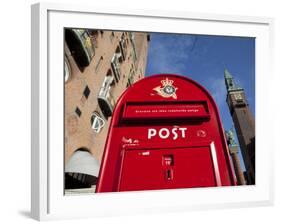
<point x="116" y="66"/>
<point x="97" y="122"/>
<point x="106" y="100"/>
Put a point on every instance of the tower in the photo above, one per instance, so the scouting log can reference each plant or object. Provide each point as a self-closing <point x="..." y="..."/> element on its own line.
<point x="243" y="122"/>
<point x="233" y="149"/>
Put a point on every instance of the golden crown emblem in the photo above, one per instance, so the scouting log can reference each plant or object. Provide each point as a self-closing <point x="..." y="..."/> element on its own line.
<point x="167" y="89"/>
<point x="167" y="82"/>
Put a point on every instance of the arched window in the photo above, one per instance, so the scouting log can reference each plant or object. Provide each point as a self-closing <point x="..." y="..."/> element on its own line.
<point x="82" y="170"/>
<point x="97" y="122"/>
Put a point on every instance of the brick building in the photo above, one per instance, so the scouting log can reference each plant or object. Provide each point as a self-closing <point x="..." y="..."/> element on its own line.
<point x="99" y="66"/>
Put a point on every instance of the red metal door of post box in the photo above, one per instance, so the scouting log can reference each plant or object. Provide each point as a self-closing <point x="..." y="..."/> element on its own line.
<point x="146" y="169"/>
<point x="165" y="133"/>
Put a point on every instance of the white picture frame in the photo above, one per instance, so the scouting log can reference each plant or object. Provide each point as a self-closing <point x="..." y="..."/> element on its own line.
<point x="48" y="200"/>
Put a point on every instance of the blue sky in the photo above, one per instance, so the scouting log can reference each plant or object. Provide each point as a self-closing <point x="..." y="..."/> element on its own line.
<point x="203" y="58"/>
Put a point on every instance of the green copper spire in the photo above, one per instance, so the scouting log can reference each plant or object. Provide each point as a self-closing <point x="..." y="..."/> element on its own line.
<point x="229" y="81"/>
<point x="227" y="74"/>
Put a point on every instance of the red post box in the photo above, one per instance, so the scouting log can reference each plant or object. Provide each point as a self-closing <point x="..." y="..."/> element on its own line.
<point x="165" y="133"/>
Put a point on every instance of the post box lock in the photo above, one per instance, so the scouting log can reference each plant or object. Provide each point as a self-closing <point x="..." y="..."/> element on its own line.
<point x="168" y="160"/>
<point x="168" y="163"/>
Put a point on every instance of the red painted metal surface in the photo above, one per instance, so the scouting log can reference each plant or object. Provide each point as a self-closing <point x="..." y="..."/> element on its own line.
<point x="165" y="133"/>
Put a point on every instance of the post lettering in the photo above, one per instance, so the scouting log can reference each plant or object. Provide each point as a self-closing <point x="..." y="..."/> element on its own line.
<point x="164" y="130"/>
<point x="165" y="133"/>
<point x="182" y="131"/>
<point x="151" y="132"/>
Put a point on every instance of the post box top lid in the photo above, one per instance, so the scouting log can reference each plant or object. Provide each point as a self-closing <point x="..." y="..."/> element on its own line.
<point x="165" y="87"/>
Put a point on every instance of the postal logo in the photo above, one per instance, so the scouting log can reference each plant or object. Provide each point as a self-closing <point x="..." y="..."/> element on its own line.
<point x="167" y="89"/>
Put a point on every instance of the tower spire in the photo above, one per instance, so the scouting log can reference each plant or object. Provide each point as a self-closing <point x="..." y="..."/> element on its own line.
<point x="230" y="85"/>
<point x="229" y="81"/>
<point x="227" y="74"/>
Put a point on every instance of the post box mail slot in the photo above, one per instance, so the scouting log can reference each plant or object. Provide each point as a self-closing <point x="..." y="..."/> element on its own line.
<point x="193" y="110"/>
<point x="165" y="133"/>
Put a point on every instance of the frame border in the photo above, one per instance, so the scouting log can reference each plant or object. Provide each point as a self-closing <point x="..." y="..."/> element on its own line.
<point x="40" y="87"/>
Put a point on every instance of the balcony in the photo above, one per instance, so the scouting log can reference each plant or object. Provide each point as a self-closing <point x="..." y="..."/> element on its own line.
<point x="131" y="77"/>
<point x="80" y="46"/>
<point x="132" y="40"/>
<point x="115" y="65"/>
<point x="123" y="46"/>
<point x="105" y="98"/>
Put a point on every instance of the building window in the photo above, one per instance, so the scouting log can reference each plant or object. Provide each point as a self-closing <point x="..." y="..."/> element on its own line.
<point x="98" y="64"/>
<point x="94" y="37"/>
<point x="140" y="73"/>
<point x="97" y="122"/>
<point x="78" y="112"/>
<point x="123" y="46"/>
<point x="148" y="37"/>
<point x="112" y="35"/>
<point x="80" y="46"/>
<point x="67" y="69"/>
<point x="115" y="64"/>
<point x="105" y="98"/>
<point x="131" y="77"/>
<point x="86" y="92"/>
<point x="132" y="40"/>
